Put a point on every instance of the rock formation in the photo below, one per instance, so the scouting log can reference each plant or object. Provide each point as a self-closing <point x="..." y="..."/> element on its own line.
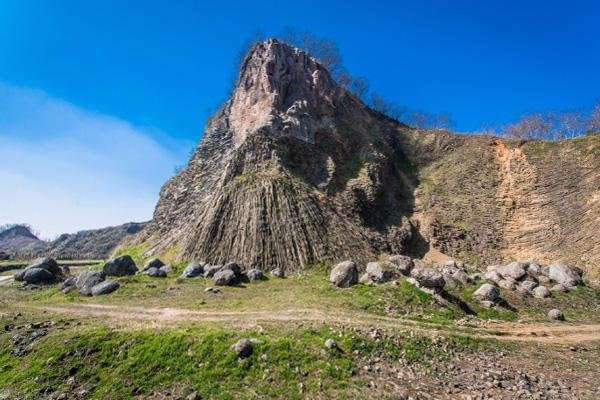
<point x="293" y="170"/>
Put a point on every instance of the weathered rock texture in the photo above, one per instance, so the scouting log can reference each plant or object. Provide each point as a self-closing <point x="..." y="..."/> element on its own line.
<point x="293" y="170"/>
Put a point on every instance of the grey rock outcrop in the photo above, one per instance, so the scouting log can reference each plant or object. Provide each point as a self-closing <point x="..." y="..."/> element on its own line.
<point x="37" y="275"/>
<point x="378" y="272"/>
<point x="255" y="275"/>
<point x="344" y="274"/>
<point x="402" y="264"/>
<point x="243" y="348"/>
<point x="278" y="273"/>
<point x="224" y="277"/>
<point x="428" y="277"/>
<point x="563" y="274"/>
<point x="154" y="272"/>
<point x="556" y="315"/>
<point x="193" y="270"/>
<point x="120" y="266"/>
<point x="153" y="263"/>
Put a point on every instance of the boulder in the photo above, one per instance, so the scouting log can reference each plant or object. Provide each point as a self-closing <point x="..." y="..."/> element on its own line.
<point x="234" y="267"/>
<point x="193" y="270"/>
<point x="541" y="292"/>
<point x="105" y="287"/>
<point x="508" y="284"/>
<point x="533" y="268"/>
<point x="167" y="269"/>
<point x="514" y="270"/>
<point x="224" y="277"/>
<point x="563" y="274"/>
<point x="487" y="292"/>
<point x="153" y="263"/>
<point x="330" y="344"/>
<point x="120" y="266"/>
<point x="37" y="275"/>
<point x="210" y="270"/>
<point x="155" y="273"/>
<point x="461" y="276"/>
<point x="243" y="348"/>
<point x="527" y="286"/>
<point x="492" y="276"/>
<point x="87" y="280"/>
<point x="278" y="273"/>
<point x="46" y="263"/>
<point x="18" y="276"/>
<point x="378" y="273"/>
<point x="344" y="274"/>
<point x="255" y="275"/>
<point x="402" y="264"/>
<point x="559" y="288"/>
<point x="428" y="277"/>
<point x="556" y="315"/>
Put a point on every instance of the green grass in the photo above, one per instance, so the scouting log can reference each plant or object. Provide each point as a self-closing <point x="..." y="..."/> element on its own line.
<point x="116" y="364"/>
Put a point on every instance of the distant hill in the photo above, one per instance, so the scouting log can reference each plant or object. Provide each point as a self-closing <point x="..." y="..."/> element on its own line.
<point x="16" y="237"/>
<point x="20" y="242"/>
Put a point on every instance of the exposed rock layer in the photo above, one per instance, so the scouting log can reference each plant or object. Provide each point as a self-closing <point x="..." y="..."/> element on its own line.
<point x="293" y="170"/>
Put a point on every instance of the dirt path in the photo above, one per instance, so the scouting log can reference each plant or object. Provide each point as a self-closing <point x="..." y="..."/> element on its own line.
<point x="562" y="333"/>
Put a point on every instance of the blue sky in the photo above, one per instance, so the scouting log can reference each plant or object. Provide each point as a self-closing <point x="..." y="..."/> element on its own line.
<point x="128" y="72"/>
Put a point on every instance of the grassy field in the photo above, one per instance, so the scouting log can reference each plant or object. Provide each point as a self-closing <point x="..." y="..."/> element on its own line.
<point x="176" y="349"/>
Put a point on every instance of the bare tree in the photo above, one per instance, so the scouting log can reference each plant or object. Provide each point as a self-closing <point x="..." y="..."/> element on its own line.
<point x="570" y="124"/>
<point x="359" y="86"/>
<point x="378" y="103"/>
<point x="324" y="50"/>
<point x="593" y="125"/>
<point x="531" y="126"/>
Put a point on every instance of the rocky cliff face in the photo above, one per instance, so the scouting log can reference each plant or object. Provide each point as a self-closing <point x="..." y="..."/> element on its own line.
<point x="293" y="170"/>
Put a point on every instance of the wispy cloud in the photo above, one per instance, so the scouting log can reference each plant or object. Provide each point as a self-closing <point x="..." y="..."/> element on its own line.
<point x="63" y="168"/>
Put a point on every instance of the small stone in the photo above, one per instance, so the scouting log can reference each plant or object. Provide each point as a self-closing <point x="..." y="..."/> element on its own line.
<point x="224" y="277"/>
<point x="243" y="348"/>
<point x="344" y="274"/>
<point x="278" y="273"/>
<point x="255" y="275"/>
<point x="105" y="287"/>
<point x="487" y="292"/>
<point x="541" y="292"/>
<point x="331" y="344"/>
<point x="556" y="315"/>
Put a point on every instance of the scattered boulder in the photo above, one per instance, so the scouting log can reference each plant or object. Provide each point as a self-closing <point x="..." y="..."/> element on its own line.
<point x="120" y="266"/>
<point x="492" y="276"/>
<point x="224" y="277"/>
<point x="514" y="270"/>
<point x="87" y="280"/>
<point x="46" y="263"/>
<point x="67" y="285"/>
<point x="331" y="344"/>
<point x="508" y="284"/>
<point x="167" y="269"/>
<point x="278" y="273"/>
<point x="527" y="286"/>
<point x="344" y="274"/>
<point x="402" y="264"/>
<point x="193" y="270"/>
<point x="37" y="275"/>
<point x="563" y="274"/>
<point x="155" y="273"/>
<point x="541" y="292"/>
<point x="243" y="348"/>
<point x="234" y="267"/>
<point x="461" y="276"/>
<point x="153" y="263"/>
<point x="255" y="275"/>
<point x="559" y="288"/>
<point x="556" y="315"/>
<point x="378" y="273"/>
<point x="18" y="276"/>
<point x="428" y="277"/>
<point x="533" y="268"/>
<point x="487" y="292"/>
<point x="105" y="287"/>
<point x="210" y="270"/>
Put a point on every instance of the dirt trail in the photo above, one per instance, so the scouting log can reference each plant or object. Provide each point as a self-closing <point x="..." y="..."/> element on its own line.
<point x="562" y="333"/>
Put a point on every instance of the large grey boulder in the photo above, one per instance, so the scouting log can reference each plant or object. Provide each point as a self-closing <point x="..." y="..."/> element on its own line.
<point x="563" y="274"/>
<point x="87" y="280"/>
<point x="514" y="270"/>
<point x="487" y="292"/>
<point x="47" y="263"/>
<point x="402" y="264"/>
<point x="344" y="274"/>
<point x="234" y="267"/>
<point x="278" y="273"/>
<point x="153" y="263"/>
<point x="378" y="272"/>
<point x="120" y="266"/>
<point x="255" y="275"/>
<point x="167" y="269"/>
<point x="105" y="287"/>
<point x="224" y="277"/>
<point x="527" y="286"/>
<point x="508" y="284"/>
<point x="193" y="270"/>
<point x="428" y="277"/>
<point x="492" y="276"/>
<point x="243" y="348"/>
<point x="37" y="275"/>
<point x="462" y="277"/>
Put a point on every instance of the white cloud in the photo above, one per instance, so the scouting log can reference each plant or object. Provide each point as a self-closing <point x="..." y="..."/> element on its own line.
<point x="63" y="168"/>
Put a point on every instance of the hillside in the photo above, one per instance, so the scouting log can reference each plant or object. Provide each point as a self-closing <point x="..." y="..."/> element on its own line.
<point x="17" y="237"/>
<point x="294" y="169"/>
<point x="88" y="244"/>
